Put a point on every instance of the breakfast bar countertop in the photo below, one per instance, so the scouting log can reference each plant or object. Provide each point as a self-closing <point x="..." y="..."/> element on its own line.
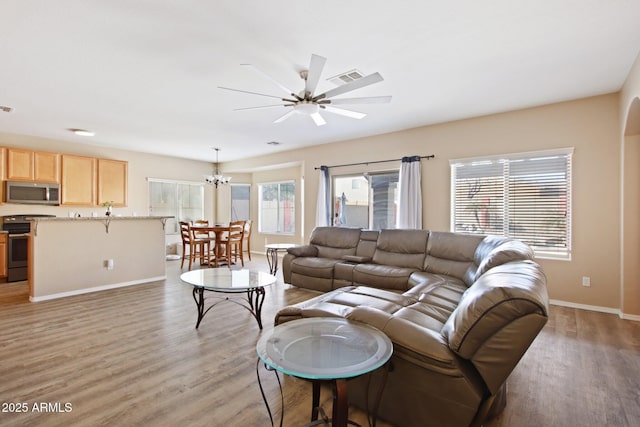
<point x="102" y="217"/>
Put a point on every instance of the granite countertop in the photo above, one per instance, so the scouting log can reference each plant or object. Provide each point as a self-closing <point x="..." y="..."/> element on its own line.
<point x="93" y="218"/>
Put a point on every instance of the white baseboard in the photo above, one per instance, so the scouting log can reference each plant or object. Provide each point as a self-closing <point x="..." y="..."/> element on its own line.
<point x="633" y="317"/>
<point x="609" y="310"/>
<point x="96" y="289"/>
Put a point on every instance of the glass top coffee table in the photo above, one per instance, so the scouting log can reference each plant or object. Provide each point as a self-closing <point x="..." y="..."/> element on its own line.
<point x="325" y="349"/>
<point x="226" y="281"/>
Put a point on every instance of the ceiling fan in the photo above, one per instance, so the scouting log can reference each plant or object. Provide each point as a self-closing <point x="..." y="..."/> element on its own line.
<point x="306" y="102"/>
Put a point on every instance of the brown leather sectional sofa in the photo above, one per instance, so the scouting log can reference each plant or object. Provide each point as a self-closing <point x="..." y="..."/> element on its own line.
<point x="460" y="309"/>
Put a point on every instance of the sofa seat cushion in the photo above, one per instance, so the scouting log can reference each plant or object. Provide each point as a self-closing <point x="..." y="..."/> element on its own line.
<point x="314" y="267"/>
<point x="382" y="276"/>
<point x="422" y="282"/>
<point x="318" y="306"/>
<point x="423" y="315"/>
<point x="384" y="300"/>
<point x="343" y="271"/>
<point x="340" y="302"/>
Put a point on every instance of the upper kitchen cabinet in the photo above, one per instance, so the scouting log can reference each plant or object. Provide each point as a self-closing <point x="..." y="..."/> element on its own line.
<point x="28" y="165"/>
<point x="19" y="165"/>
<point x="78" y="180"/>
<point x="46" y="167"/>
<point x="112" y="182"/>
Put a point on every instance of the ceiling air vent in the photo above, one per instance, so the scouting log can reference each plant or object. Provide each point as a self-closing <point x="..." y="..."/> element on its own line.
<point x="345" y="78"/>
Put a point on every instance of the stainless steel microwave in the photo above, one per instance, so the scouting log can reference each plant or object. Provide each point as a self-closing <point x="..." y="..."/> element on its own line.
<point x="36" y="193"/>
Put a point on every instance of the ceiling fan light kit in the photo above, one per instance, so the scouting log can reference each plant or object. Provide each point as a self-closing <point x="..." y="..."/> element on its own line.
<point x="307" y="103"/>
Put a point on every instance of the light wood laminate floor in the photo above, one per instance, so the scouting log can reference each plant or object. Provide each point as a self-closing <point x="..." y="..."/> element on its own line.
<point x="131" y="356"/>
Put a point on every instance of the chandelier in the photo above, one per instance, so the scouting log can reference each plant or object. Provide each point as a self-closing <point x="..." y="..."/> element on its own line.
<point x="216" y="178"/>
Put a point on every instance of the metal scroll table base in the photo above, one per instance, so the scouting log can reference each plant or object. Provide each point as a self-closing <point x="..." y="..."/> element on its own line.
<point x="340" y="405"/>
<point x="253" y="304"/>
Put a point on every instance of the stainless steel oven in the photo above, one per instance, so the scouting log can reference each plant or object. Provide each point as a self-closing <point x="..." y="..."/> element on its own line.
<point x="17" y="257"/>
<point x="18" y="228"/>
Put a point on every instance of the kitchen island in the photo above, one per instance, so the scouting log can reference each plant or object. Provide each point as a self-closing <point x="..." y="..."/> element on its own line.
<point x="70" y="256"/>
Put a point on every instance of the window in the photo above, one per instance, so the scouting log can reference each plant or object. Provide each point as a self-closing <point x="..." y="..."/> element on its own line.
<point x="240" y="202"/>
<point x="182" y="200"/>
<point x="277" y="207"/>
<point x="526" y="196"/>
<point x="366" y="201"/>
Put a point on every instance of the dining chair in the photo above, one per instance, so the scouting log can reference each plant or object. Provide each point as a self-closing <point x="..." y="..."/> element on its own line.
<point x="246" y="244"/>
<point x="205" y="235"/>
<point x="233" y="242"/>
<point x="199" y="248"/>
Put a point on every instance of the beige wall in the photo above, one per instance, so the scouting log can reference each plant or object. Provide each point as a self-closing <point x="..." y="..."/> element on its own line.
<point x="631" y="227"/>
<point x="141" y="166"/>
<point x="590" y="125"/>
<point x="593" y="126"/>
<point x="630" y="235"/>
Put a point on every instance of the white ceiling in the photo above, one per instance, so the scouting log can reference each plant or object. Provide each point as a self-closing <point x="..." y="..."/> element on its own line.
<point x="144" y="74"/>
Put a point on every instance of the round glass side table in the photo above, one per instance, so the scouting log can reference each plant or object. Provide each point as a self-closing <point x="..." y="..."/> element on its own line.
<point x="325" y="349"/>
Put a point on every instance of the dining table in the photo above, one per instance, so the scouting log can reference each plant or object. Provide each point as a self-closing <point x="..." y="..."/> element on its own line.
<point x="218" y="231"/>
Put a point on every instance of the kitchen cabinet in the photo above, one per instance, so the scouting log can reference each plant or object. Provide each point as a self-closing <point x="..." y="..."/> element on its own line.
<point x="46" y="167"/>
<point x="3" y="255"/>
<point x="3" y="172"/>
<point x="112" y="182"/>
<point x="78" y="184"/>
<point x="19" y="165"/>
<point x="28" y="165"/>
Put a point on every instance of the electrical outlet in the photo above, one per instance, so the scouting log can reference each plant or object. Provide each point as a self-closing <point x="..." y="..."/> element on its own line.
<point x="586" y="281"/>
<point x="108" y="263"/>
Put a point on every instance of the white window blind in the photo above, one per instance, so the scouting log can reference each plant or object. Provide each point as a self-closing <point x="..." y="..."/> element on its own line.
<point x="526" y="196"/>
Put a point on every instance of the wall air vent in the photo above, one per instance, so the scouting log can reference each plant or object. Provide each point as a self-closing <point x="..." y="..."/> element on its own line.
<point x="347" y="77"/>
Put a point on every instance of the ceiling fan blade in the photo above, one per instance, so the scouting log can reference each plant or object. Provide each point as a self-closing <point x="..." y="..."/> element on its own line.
<point x="285" y="89"/>
<point x="353" y="101"/>
<point x="263" y="106"/>
<point x="356" y="84"/>
<point x="284" y="117"/>
<point x="315" y="71"/>
<point x="254" y="93"/>
<point x="342" y="112"/>
<point x="317" y="118"/>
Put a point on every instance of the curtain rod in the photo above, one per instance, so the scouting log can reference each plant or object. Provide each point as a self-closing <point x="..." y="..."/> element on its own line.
<point x="430" y="156"/>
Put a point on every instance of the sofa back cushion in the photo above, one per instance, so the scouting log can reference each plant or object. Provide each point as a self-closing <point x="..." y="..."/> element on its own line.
<point x="335" y="242"/>
<point x="401" y="248"/>
<point x="452" y="254"/>
<point x="497" y="250"/>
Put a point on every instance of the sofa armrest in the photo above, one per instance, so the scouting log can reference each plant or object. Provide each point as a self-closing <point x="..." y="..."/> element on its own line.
<point x="357" y="259"/>
<point x="304" y="251"/>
